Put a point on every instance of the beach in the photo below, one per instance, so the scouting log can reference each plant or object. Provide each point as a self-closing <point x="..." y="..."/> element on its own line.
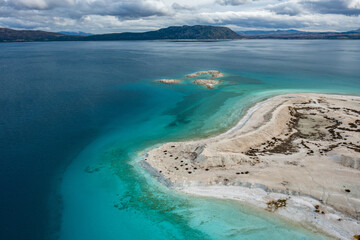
<point x="295" y="155"/>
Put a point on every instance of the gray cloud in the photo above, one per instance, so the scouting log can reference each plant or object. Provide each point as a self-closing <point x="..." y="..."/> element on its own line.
<point x="255" y="20"/>
<point x="232" y="2"/>
<point x="37" y="4"/>
<point x="344" y="7"/>
<point x="140" y="15"/>
<point x="79" y="8"/>
<point x="182" y="7"/>
<point x="135" y="9"/>
<point x="57" y="15"/>
<point x="287" y="8"/>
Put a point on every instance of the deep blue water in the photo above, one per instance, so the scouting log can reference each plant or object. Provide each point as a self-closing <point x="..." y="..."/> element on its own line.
<point x="75" y="115"/>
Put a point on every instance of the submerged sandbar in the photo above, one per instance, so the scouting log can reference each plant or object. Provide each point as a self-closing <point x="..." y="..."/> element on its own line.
<point x="297" y="155"/>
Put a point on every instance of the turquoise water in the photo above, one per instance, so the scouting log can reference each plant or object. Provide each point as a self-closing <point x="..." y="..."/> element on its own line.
<point x="122" y="201"/>
<point x="88" y="111"/>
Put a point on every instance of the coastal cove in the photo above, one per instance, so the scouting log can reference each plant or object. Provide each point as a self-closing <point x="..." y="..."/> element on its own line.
<point x="97" y="97"/>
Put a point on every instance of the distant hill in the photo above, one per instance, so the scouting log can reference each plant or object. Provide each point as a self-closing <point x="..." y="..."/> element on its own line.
<point x="10" y="35"/>
<point x="171" y="33"/>
<point x="76" y="33"/>
<point x="197" y="32"/>
<point x="278" y="32"/>
<point x="354" y="31"/>
<point x="294" y="34"/>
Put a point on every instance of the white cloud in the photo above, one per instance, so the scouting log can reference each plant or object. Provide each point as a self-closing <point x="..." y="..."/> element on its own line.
<point x="291" y="8"/>
<point x="344" y="7"/>
<point x="40" y="4"/>
<point x="140" y="15"/>
<point x="354" y="4"/>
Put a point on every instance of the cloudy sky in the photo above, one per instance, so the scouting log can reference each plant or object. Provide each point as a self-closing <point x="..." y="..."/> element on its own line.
<point x="99" y="16"/>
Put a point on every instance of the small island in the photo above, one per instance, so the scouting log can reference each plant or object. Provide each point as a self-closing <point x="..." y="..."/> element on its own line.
<point x="168" y="81"/>
<point x="295" y="155"/>
<point x="213" y="73"/>
<point x="208" y="83"/>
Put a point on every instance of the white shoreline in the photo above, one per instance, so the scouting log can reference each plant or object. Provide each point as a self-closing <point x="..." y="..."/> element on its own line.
<point x="299" y="209"/>
<point x="243" y="120"/>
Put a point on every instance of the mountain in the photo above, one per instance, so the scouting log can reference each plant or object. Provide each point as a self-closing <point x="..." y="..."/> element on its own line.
<point x="11" y="35"/>
<point x="76" y="33"/>
<point x="279" y="32"/>
<point x="354" y="31"/>
<point x="294" y="34"/>
<point x="197" y="32"/>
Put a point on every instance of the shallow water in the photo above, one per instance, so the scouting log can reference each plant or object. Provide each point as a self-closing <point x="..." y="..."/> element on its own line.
<point x="76" y="118"/>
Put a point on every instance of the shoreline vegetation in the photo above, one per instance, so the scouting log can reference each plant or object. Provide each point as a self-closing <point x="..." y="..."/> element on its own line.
<point x="208" y="83"/>
<point x="295" y="155"/>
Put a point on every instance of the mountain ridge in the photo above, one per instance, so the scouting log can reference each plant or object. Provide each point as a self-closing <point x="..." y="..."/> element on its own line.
<point x="196" y="32"/>
<point x="75" y="33"/>
<point x="295" y="34"/>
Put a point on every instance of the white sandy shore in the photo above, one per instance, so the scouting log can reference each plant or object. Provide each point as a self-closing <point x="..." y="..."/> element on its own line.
<point x="302" y="148"/>
<point x="299" y="209"/>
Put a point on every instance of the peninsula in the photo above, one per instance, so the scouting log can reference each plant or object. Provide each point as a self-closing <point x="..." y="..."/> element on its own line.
<point x="296" y="155"/>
